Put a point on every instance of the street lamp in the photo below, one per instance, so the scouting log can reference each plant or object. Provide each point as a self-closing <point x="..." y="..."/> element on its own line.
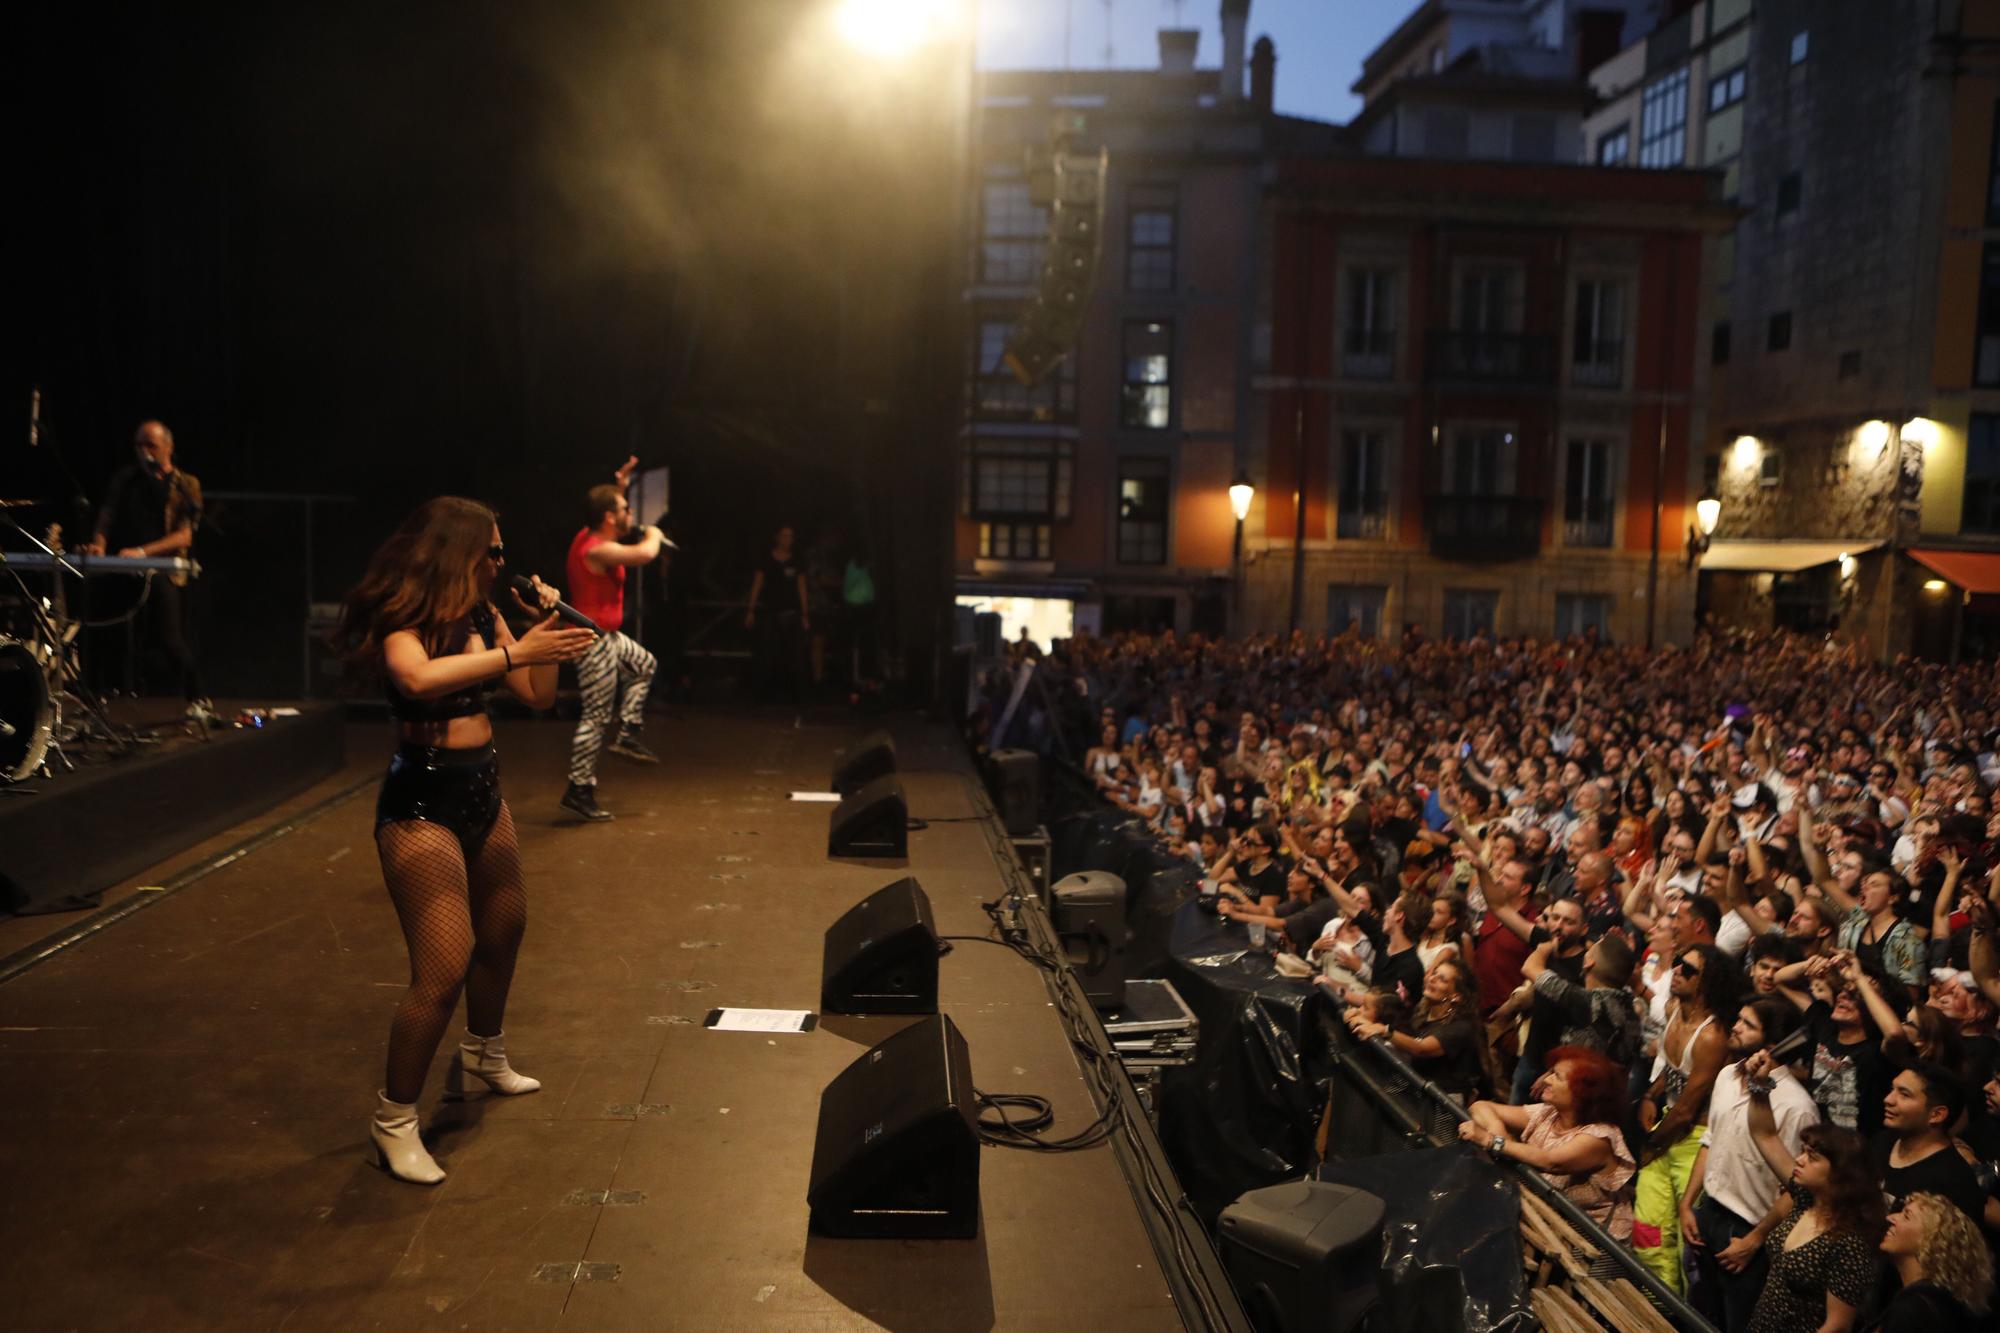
<point x="1707" y="512"/>
<point x="1241" y="492"/>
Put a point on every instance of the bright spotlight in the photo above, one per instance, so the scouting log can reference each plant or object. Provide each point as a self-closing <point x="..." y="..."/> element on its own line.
<point x="888" y="29"/>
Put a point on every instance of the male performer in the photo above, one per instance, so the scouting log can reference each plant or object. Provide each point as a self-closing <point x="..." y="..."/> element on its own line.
<point x="597" y="561"/>
<point x="152" y="508"/>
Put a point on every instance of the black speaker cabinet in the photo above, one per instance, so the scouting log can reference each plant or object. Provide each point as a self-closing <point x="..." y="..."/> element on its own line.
<point x="1015" y="778"/>
<point x="871" y="821"/>
<point x="871" y="757"/>
<point x="1304" y="1255"/>
<point x="897" y="1153"/>
<point x="1088" y="910"/>
<point x="882" y="956"/>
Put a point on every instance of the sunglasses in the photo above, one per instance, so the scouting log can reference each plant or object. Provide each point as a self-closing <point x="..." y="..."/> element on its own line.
<point x="497" y="553"/>
<point x="1686" y="968"/>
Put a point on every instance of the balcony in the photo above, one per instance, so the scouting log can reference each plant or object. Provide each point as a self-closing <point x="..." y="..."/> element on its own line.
<point x="1368" y="353"/>
<point x="1598" y="364"/>
<point x="1367" y="522"/>
<point x="1484" y="527"/>
<point x="1471" y="357"/>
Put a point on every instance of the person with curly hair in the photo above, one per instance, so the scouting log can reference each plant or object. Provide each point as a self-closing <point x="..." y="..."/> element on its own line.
<point x="1820" y="1235"/>
<point x="1945" y="1267"/>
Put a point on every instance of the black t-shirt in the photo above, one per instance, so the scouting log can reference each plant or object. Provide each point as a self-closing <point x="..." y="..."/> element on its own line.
<point x="780" y="591"/>
<point x="1923" y="1307"/>
<point x="1545" y="1020"/>
<point x="1847" y="1082"/>
<point x="1405" y="970"/>
<point x="1304" y="923"/>
<point x="1266" y="883"/>
<point x="1943" y="1172"/>
<point x="1457" y="1070"/>
<point x="135" y="508"/>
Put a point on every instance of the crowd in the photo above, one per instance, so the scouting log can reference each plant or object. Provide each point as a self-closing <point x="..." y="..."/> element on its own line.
<point x="1706" y="935"/>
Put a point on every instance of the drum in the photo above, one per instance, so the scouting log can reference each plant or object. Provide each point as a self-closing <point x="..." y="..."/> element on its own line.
<point x="26" y="711"/>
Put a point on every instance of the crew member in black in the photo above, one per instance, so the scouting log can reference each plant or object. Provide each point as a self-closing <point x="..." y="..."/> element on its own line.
<point x="780" y="615"/>
<point x="423" y="613"/>
<point x="152" y="508"/>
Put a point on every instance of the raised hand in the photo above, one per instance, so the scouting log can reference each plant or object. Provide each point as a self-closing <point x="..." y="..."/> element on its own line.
<point x="549" y="641"/>
<point x="545" y="597"/>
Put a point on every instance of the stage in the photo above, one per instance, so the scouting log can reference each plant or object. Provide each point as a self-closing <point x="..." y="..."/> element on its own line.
<point x="184" y="1143"/>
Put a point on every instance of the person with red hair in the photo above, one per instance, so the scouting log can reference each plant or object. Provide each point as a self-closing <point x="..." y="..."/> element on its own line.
<point x="1570" y="1134"/>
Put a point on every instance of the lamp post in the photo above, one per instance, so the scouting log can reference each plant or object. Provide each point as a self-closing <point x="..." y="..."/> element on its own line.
<point x="1241" y="492"/>
<point x="1707" y="512"/>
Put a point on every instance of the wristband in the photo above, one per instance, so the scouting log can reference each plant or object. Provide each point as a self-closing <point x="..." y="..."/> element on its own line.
<point x="507" y="657"/>
<point x="1497" y="1148"/>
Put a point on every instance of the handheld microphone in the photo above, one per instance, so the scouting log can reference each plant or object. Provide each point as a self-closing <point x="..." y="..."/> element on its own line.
<point x="525" y="586"/>
<point x="34" y="416"/>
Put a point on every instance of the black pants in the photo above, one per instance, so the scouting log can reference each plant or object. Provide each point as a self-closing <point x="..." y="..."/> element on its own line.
<point x="1724" y="1298"/>
<point x="167" y="635"/>
<point x="781" y="658"/>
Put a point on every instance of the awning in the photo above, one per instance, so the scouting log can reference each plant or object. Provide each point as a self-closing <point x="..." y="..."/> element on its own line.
<point x="1779" y="557"/>
<point x="1974" y="571"/>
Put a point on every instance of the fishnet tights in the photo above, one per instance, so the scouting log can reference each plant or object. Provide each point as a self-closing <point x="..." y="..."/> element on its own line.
<point x="463" y="925"/>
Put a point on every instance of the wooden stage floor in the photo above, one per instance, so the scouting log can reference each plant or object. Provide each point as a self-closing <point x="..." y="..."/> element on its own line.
<point x="183" y="1139"/>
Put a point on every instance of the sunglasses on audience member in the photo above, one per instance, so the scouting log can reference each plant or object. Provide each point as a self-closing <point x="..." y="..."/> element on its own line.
<point x="1687" y="969"/>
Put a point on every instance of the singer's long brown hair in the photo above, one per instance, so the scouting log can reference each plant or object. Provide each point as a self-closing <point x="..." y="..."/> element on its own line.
<point x="424" y="578"/>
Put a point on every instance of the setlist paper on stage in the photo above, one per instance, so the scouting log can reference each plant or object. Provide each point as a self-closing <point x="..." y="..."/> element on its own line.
<point x="761" y="1020"/>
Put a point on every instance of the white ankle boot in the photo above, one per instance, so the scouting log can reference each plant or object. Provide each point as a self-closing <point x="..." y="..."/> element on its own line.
<point x="485" y="1058"/>
<point x="397" y="1148"/>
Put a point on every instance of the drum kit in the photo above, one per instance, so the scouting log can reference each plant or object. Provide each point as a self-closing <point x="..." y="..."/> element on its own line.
<point x="45" y="703"/>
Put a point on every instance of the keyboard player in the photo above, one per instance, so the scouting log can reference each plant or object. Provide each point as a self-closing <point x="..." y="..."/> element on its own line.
<point x="152" y="508"/>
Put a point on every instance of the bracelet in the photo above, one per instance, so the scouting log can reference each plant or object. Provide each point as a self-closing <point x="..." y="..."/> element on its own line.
<point x="507" y="657"/>
<point x="1497" y="1148"/>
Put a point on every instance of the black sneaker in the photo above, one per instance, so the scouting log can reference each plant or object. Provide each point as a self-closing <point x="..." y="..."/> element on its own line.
<point x="634" y="749"/>
<point x="583" y="801"/>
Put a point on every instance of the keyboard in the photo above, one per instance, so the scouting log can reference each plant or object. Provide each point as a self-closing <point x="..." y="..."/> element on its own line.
<point x="93" y="565"/>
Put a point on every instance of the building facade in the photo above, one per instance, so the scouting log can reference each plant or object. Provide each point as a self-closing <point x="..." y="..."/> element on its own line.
<point x="1481" y="399"/>
<point x="1852" y="437"/>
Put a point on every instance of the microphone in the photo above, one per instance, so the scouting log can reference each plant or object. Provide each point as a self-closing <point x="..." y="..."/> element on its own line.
<point x="526" y="587"/>
<point x="34" y="416"/>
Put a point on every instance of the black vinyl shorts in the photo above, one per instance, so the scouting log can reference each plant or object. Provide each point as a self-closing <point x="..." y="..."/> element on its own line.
<point x="459" y="789"/>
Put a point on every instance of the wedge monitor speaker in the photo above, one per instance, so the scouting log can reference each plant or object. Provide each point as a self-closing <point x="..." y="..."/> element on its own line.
<point x="882" y="956"/>
<point x="1304" y="1256"/>
<point x="871" y="757"/>
<point x="873" y="820"/>
<point x="1088" y="911"/>
<point x="897" y="1152"/>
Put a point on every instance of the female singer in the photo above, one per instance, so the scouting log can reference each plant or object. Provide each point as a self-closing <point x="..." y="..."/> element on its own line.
<point x="424" y="614"/>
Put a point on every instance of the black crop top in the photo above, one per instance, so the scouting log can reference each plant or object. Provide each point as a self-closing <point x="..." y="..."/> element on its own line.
<point x="468" y="702"/>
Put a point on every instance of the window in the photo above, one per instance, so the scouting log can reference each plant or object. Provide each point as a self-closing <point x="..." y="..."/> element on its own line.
<point x="1580" y="612"/>
<point x="1615" y="147"/>
<point x="1355" y="607"/>
<point x="1718" y="344"/>
<point x="1771" y="466"/>
<point x="1789" y="186"/>
<point x="1779" y="336"/>
<point x="1146" y="397"/>
<point x="1993" y="174"/>
<point x="1986" y="363"/>
<point x="1663" y="112"/>
<point x="1801" y="45"/>
<point x="1478" y="461"/>
<point x="1014" y="541"/>
<point x="1486" y="300"/>
<point x="1013" y="231"/>
<point x="1726" y="88"/>
<point x="1013" y="479"/>
<point x="1363" y="510"/>
<point x="1142" y="511"/>
<point x="1149" y="239"/>
<point x="999" y="396"/>
<point x="1587" y="503"/>
<point x="1368" y="326"/>
<point x="1469" y="612"/>
<point x="1982" y="474"/>
<point x="1597" y="342"/>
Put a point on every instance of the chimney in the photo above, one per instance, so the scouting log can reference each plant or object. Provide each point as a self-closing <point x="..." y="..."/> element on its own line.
<point x="1235" y="18"/>
<point x="1263" y="74"/>
<point x="1177" y="49"/>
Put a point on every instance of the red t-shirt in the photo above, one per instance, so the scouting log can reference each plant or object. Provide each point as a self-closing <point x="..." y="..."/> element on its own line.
<point x="599" y="596"/>
<point x="1497" y="955"/>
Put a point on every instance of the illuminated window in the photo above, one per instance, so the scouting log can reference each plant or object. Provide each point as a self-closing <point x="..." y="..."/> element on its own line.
<point x="1801" y="45"/>
<point x="1142" y="511"/>
<point x="1663" y="110"/>
<point x="1146" y="397"/>
<point x="1726" y="89"/>
<point x="1615" y="147"/>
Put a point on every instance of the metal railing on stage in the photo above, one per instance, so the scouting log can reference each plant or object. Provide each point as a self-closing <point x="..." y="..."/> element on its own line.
<point x="1428" y="1117"/>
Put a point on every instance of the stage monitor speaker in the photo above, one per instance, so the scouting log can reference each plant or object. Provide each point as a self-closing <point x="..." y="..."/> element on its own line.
<point x="871" y="821"/>
<point x="882" y="956"/>
<point x="1089" y="916"/>
<point x="897" y="1152"/>
<point x="1014" y="777"/>
<point x="871" y="757"/>
<point x="1304" y="1255"/>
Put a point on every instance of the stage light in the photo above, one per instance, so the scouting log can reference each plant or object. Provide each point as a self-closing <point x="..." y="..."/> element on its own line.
<point x="888" y="29"/>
